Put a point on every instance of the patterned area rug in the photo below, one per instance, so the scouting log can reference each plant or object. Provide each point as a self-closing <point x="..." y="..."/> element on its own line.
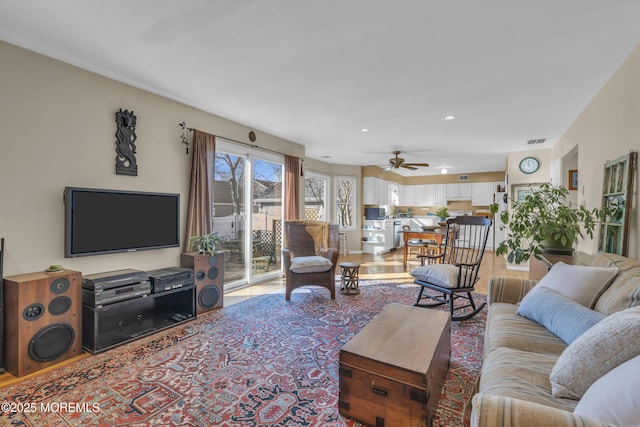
<point x="263" y="362"/>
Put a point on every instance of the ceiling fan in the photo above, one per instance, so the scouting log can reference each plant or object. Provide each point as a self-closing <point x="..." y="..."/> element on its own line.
<point x="398" y="162"/>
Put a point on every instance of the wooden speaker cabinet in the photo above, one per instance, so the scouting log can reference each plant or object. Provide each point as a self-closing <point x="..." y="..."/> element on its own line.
<point x="43" y="320"/>
<point x="208" y="273"/>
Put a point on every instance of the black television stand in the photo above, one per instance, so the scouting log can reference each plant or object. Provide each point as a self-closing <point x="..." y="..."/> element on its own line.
<point x="115" y="324"/>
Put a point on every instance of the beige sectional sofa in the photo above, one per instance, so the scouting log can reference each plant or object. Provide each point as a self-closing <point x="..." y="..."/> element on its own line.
<point x="525" y="365"/>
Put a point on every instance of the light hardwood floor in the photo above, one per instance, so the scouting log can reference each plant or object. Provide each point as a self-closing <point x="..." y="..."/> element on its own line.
<point x="382" y="267"/>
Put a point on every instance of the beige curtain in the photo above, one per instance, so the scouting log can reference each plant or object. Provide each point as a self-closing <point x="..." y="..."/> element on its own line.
<point x="200" y="204"/>
<point x="291" y="187"/>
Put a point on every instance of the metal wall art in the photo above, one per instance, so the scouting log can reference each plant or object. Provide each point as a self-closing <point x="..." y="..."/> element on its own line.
<point x="126" y="143"/>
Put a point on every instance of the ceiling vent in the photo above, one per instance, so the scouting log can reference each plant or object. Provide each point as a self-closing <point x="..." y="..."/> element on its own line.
<point x="536" y="141"/>
<point x="463" y="177"/>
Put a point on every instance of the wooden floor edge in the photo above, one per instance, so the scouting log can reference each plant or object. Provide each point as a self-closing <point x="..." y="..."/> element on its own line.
<point x="8" y="379"/>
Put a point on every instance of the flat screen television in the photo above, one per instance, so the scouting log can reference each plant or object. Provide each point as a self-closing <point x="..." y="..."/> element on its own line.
<point x="107" y="221"/>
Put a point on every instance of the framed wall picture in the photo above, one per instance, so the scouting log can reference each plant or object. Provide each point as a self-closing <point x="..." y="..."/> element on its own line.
<point x="573" y="179"/>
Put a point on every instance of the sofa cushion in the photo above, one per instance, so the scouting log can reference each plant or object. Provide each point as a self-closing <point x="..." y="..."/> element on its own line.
<point x="614" y="397"/>
<point x="310" y="264"/>
<point x="444" y="275"/>
<point x="623" y="293"/>
<point x="562" y="316"/>
<point x="606" y="345"/>
<point x="506" y="329"/>
<point x="581" y="283"/>
<point x="623" y="263"/>
<point x="521" y="375"/>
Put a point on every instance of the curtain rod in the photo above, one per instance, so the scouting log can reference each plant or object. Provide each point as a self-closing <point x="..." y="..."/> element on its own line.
<point x="183" y="125"/>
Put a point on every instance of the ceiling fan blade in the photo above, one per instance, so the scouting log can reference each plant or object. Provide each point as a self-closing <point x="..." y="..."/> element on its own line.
<point x="418" y="164"/>
<point x="406" y="166"/>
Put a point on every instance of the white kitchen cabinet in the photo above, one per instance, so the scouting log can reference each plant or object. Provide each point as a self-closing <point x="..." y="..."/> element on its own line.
<point x="441" y="195"/>
<point x="413" y="195"/>
<point x="482" y="193"/>
<point x="430" y="190"/>
<point x="375" y="191"/>
<point x="459" y="191"/>
<point x="421" y="195"/>
<point x="368" y="190"/>
<point x="394" y="193"/>
<point x="405" y="194"/>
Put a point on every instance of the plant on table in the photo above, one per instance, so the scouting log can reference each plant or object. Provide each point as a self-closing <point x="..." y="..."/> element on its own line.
<point x="206" y="243"/>
<point x="443" y="213"/>
<point x="544" y="221"/>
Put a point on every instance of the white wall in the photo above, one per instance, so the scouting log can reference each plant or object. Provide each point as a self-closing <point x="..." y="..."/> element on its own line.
<point x="57" y="129"/>
<point x="608" y="128"/>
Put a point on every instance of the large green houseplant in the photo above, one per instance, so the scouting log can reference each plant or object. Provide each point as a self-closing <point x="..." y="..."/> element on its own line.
<point x="544" y="221"/>
<point x="206" y="243"/>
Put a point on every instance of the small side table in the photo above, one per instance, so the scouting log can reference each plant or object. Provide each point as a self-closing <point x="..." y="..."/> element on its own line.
<point x="349" y="280"/>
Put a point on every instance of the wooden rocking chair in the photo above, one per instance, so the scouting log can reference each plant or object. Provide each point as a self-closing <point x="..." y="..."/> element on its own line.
<point x="454" y="272"/>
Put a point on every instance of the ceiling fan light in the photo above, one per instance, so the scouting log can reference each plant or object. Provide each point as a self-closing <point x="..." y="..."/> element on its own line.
<point x="443" y="171"/>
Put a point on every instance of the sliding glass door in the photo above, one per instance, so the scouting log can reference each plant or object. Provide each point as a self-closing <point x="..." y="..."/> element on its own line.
<point x="248" y="208"/>
<point x="266" y="221"/>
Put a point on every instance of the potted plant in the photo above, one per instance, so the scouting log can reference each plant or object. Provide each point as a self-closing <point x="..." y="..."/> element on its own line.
<point x="543" y="221"/>
<point x="443" y="213"/>
<point x="206" y="243"/>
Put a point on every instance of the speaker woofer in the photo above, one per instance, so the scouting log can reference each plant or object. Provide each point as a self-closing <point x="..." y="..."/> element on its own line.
<point x="51" y="342"/>
<point x="59" y="305"/>
<point x="213" y="272"/>
<point x="209" y="296"/>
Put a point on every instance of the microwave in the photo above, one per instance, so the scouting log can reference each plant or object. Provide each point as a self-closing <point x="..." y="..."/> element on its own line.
<point x="374" y="213"/>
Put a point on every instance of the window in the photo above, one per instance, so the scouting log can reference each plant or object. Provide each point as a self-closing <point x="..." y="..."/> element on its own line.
<point x="345" y="194"/>
<point x="316" y="197"/>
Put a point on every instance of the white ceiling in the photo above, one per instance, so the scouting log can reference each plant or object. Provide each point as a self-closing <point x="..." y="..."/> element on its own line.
<point x="317" y="71"/>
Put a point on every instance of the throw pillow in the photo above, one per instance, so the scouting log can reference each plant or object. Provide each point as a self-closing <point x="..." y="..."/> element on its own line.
<point x="623" y="293"/>
<point x="581" y="283"/>
<point x="445" y="275"/>
<point x="562" y="316"/>
<point x="607" y="344"/>
<point x="614" y="398"/>
<point x="310" y="264"/>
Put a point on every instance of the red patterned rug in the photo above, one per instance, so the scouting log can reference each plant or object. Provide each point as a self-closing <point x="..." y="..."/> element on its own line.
<point x="263" y="362"/>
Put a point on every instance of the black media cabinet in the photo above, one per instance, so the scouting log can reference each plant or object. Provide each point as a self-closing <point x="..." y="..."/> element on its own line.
<point x="116" y="324"/>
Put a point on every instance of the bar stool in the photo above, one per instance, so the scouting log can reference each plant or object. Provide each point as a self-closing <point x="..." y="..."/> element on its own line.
<point x="343" y="242"/>
<point x="349" y="284"/>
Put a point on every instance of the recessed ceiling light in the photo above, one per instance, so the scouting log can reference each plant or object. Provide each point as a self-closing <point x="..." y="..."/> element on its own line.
<point x="449" y="117"/>
<point x="364" y="130"/>
<point x="443" y="171"/>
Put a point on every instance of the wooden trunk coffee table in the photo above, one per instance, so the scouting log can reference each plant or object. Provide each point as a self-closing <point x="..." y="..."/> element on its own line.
<point x="392" y="371"/>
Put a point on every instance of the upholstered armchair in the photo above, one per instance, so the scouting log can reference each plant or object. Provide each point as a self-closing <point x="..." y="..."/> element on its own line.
<point x="310" y="255"/>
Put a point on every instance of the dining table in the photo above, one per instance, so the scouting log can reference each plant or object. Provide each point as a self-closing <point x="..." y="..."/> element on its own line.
<point x="421" y="235"/>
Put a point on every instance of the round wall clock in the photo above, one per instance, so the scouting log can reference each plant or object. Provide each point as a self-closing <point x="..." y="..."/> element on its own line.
<point x="529" y="165"/>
